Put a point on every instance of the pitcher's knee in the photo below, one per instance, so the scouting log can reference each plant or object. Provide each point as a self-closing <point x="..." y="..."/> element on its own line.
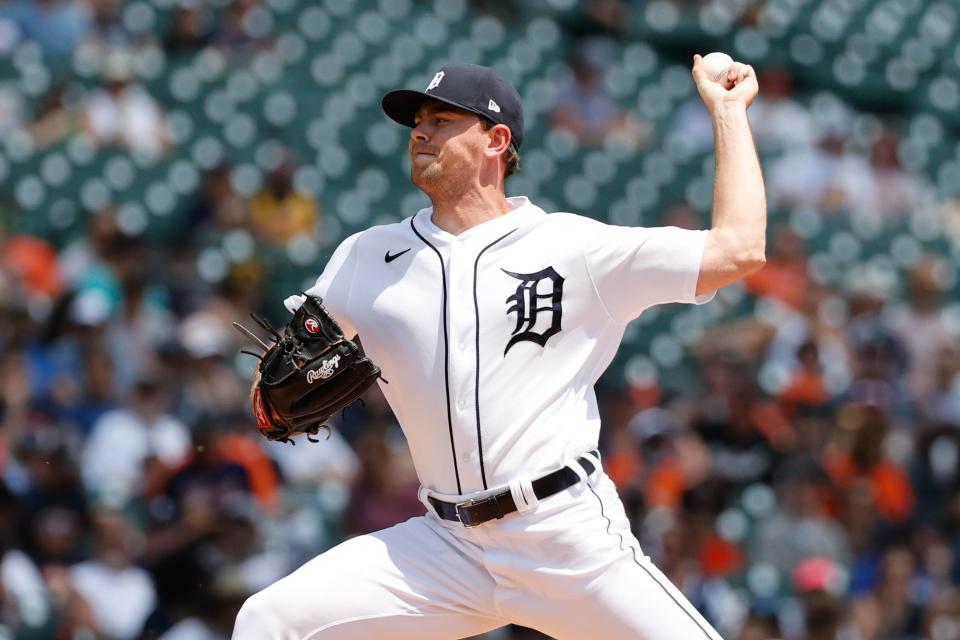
<point x="277" y="613"/>
<point x="257" y="620"/>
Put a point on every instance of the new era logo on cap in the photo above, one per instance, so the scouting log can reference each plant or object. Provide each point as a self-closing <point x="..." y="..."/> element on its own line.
<point x="467" y="86"/>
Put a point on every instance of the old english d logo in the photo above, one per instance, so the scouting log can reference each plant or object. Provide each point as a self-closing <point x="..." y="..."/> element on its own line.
<point x="526" y="303"/>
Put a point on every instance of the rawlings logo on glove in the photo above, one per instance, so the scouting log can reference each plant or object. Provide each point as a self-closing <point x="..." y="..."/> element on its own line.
<point x="310" y="373"/>
<point x="325" y="370"/>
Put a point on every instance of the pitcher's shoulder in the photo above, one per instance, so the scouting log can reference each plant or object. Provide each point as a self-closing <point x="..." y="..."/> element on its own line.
<point x="382" y="235"/>
<point x="571" y="224"/>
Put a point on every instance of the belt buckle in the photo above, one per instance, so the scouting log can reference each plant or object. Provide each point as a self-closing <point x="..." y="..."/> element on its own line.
<point x="464" y="515"/>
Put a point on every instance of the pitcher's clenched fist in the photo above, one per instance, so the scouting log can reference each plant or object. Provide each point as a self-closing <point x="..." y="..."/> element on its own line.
<point x="740" y="88"/>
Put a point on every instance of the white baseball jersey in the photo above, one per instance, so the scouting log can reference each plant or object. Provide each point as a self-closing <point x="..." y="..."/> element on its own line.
<point x="492" y="340"/>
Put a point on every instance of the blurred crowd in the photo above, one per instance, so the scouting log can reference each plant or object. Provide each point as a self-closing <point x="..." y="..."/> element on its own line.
<point x="803" y="483"/>
<point x="117" y="45"/>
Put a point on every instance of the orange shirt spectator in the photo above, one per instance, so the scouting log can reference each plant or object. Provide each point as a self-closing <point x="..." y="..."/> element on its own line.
<point x="889" y="485"/>
<point x="785" y="275"/>
<point x="34" y="261"/>
<point x="806" y="387"/>
<point x="860" y="456"/>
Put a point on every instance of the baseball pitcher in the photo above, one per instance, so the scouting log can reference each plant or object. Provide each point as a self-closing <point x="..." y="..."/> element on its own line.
<point x="492" y="320"/>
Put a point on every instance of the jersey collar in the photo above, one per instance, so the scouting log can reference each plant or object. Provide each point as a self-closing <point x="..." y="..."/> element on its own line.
<point x="522" y="212"/>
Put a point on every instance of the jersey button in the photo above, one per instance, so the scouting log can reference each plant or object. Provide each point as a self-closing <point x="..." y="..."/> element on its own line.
<point x="462" y="404"/>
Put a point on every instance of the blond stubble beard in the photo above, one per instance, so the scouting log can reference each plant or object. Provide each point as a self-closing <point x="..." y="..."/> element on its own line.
<point x="438" y="180"/>
<point x="429" y="174"/>
<point x="429" y="179"/>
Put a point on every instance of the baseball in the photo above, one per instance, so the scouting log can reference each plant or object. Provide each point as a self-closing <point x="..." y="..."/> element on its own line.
<point x="716" y="65"/>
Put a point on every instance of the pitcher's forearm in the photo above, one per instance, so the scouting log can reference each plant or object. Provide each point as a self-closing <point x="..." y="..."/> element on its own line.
<point x="736" y="242"/>
<point x="739" y="200"/>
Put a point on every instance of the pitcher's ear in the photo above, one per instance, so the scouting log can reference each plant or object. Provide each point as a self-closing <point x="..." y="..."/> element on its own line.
<point x="500" y="137"/>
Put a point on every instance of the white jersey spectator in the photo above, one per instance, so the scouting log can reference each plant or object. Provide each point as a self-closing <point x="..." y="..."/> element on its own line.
<point x="22" y="586"/>
<point x="120" y="594"/>
<point x="123" y="440"/>
<point x="124" y="114"/>
<point x="121" y="599"/>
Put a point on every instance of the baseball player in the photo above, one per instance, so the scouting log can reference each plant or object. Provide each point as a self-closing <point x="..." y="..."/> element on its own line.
<point x="492" y="321"/>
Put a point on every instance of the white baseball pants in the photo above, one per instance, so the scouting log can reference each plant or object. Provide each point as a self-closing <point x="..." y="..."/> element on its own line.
<point x="568" y="567"/>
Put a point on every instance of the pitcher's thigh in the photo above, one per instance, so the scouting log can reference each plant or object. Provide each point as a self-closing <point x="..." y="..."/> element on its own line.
<point x="408" y="581"/>
<point x="632" y="601"/>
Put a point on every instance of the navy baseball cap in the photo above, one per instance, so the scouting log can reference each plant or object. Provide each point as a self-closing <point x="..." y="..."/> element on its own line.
<point x="477" y="89"/>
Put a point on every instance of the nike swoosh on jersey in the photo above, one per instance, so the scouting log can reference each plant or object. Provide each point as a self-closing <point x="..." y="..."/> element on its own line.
<point x="390" y="258"/>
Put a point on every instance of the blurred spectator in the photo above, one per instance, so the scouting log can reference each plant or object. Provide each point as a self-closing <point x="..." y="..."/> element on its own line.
<point x="504" y="10"/>
<point x="662" y="463"/>
<point x="333" y="463"/>
<point x="806" y="387"/>
<point x="10" y="34"/>
<point x="379" y="497"/>
<point x="213" y="620"/>
<point x="779" y="123"/>
<point x="207" y="480"/>
<point x="128" y="443"/>
<point x="58" y="26"/>
<point x="86" y="257"/>
<point x="825" y="175"/>
<point x="734" y="421"/>
<point x="919" y="326"/>
<point x="233" y="33"/>
<point x="891" y="609"/>
<point x="785" y="276"/>
<point x="182" y="581"/>
<point x="244" y="564"/>
<point x="598" y="17"/>
<point x="15" y="396"/>
<point x="279" y="212"/>
<point x="823" y="615"/>
<point x="243" y="450"/>
<point x="53" y="506"/>
<point x="123" y="113"/>
<point x="57" y="116"/>
<point x="119" y="593"/>
<point x="880" y="356"/>
<point x="210" y="388"/>
<point x="758" y="627"/>
<point x="142" y="324"/>
<point x="941" y="615"/>
<point x="935" y="473"/>
<point x="691" y="125"/>
<point x="34" y="263"/>
<point x="681" y="214"/>
<point x="889" y="192"/>
<point x="801" y="527"/>
<point x="190" y="29"/>
<point x="109" y="32"/>
<point x="97" y="392"/>
<point x="217" y="207"/>
<point x="815" y="322"/>
<point x="23" y="595"/>
<point x="11" y="107"/>
<point x="587" y="110"/>
<point x="942" y="403"/>
<point x="858" y="460"/>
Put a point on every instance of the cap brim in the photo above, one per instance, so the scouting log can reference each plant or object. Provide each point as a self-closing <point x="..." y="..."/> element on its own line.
<point x="402" y="105"/>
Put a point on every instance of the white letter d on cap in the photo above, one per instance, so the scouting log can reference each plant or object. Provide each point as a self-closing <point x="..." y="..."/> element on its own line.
<point x="436" y="81"/>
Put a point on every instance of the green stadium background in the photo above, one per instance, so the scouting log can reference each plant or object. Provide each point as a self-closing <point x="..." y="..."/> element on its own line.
<point x="132" y="254"/>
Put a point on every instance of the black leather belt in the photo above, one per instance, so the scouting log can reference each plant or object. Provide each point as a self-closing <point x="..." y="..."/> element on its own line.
<point x="474" y="512"/>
